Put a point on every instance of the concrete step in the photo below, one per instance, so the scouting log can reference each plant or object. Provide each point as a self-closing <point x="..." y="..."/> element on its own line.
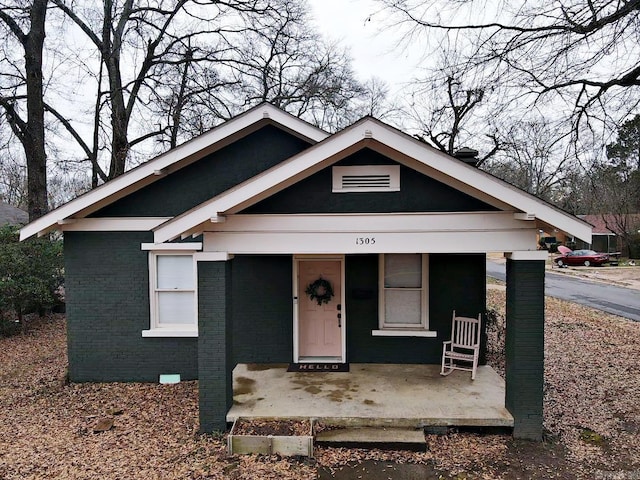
<point x="371" y="436"/>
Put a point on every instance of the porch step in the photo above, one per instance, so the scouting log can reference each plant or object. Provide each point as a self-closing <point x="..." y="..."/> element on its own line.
<point x="370" y="436"/>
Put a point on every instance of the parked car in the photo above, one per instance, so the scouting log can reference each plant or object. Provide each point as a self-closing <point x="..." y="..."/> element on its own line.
<point x="580" y="257"/>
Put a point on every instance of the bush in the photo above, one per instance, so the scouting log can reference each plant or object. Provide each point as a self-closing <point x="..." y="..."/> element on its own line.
<point x="31" y="272"/>
<point x="8" y="327"/>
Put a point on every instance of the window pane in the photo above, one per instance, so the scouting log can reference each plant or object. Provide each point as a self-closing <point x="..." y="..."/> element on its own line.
<point x="175" y="271"/>
<point x="176" y="307"/>
<point x="403" y="270"/>
<point x="402" y="306"/>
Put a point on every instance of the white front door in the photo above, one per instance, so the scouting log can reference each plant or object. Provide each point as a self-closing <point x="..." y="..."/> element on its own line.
<point x="320" y="327"/>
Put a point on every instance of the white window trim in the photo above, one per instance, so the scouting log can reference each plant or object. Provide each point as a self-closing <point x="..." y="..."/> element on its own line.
<point x="170" y="330"/>
<point x="407" y="329"/>
<point x="172" y="247"/>
<point x="403" y="333"/>
<point x="393" y="171"/>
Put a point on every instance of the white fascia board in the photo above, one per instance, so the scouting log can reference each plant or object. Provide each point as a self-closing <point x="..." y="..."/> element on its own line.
<point x="380" y="222"/>
<point x="172" y="247"/>
<point x="199" y="146"/>
<point x="112" y="224"/>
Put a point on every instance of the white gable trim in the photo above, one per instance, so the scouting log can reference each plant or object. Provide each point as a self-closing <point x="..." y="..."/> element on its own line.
<point x="157" y="168"/>
<point x="380" y="137"/>
<point x="111" y="224"/>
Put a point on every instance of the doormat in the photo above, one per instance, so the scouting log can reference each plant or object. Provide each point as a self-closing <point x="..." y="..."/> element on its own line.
<point x="318" y="367"/>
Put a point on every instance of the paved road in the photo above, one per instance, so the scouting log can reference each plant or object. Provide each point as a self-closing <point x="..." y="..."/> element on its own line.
<point x="621" y="301"/>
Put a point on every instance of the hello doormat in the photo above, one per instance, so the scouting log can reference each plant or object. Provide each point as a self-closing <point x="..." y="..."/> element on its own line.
<point x="318" y="367"/>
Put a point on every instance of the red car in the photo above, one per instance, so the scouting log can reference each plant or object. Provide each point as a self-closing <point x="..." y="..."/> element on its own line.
<point x="580" y="257"/>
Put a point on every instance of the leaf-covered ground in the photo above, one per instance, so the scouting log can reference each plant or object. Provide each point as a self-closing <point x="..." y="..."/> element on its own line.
<point x="592" y="418"/>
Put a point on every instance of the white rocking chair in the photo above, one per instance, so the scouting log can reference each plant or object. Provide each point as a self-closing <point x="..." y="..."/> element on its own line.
<point x="462" y="351"/>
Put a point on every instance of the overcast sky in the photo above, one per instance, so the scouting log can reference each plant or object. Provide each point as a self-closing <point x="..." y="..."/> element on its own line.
<point x="374" y="52"/>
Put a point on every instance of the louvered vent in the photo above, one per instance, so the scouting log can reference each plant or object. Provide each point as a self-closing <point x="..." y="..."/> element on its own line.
<point x="366" y="181"/>
<point x="366" y="178"/>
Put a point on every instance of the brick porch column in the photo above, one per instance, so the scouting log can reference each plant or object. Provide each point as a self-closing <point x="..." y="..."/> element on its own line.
<point x="215" y="361"/>
<point x="524" y="344"/>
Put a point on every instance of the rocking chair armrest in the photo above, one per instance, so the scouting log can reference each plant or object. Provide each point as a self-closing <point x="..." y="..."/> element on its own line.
<point x="447" y="342"/>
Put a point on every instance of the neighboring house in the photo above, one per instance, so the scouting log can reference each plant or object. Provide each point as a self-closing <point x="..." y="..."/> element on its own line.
<point x="605" y="226"/>
<point x="12" y="215"/>
<point x="199" y="259"/>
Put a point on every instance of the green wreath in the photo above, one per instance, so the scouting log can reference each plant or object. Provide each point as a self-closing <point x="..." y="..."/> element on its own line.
<point x="320" y="291"/>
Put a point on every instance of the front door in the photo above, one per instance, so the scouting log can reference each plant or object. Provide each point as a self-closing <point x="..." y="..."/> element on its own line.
<point x="320" y="326"/>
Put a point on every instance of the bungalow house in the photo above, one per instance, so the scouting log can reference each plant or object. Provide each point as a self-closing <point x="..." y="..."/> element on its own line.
<point x="200" y="259"/>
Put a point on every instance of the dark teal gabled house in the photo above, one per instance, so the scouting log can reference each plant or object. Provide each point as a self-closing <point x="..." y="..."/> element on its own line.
<point x="199" y="259"/>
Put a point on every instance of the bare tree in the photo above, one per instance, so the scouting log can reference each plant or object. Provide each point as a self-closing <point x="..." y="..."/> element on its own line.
<point x="22" y="92"/>
<point x="284" y="62"/>
<point x="451" y="111"/>
<point x="376" y="101"/>
<point x="13" y="185"/>
<point x="581" y="54"/>
<point x="272" y="58"/>
<point x="193" y="95"/>
<point x="123" y="24"/>
<point x="536" y="159"/>
<point x="138" y="42"/>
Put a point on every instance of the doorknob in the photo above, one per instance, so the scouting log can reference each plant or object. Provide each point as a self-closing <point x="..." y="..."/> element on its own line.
<point x="339" y="320"/>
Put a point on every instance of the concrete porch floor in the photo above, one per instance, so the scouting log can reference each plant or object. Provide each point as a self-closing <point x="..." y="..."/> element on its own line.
<point x="374" y="395"/>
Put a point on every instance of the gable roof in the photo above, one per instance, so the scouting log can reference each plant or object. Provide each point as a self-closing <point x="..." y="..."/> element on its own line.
<point x="12" y="215"/>
<point x="366" y="133"/>
<point x="378" y="136"/>
<point x="174" y="159"/>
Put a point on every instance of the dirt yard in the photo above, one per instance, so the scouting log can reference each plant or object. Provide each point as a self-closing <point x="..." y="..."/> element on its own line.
<point x="623" y="276"/>
<point x="51" y="429"/>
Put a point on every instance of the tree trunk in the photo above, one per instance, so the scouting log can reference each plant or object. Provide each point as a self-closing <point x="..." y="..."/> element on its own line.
<point x="33" y="141"/>
<point x="111" y="45"/>
<point x="119" y="122"/>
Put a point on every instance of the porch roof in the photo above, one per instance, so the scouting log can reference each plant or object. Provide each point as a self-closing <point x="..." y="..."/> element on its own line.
<point x="375" y="135"/>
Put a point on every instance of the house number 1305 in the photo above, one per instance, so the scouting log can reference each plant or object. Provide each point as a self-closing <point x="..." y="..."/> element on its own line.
<point x="365" y="241"/>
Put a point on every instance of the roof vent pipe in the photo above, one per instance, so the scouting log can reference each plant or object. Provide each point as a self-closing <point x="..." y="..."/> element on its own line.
<point x="467" y="155"/>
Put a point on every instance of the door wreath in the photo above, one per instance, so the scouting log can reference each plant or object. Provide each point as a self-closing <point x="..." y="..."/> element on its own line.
<point x="321" y="291"/>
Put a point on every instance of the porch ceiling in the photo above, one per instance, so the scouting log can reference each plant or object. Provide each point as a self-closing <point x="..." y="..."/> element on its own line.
<point x="371" y="395"/>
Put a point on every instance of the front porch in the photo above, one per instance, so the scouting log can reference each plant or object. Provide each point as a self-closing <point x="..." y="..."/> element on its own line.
<point x="374" y="395"/>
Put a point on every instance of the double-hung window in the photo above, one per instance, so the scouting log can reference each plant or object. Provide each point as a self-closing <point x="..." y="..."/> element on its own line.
<point x="404" y="295"/>
<point x="173" y="293"/>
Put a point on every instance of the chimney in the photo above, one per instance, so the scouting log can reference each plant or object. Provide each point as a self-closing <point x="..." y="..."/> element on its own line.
<point x="468" y="156"/>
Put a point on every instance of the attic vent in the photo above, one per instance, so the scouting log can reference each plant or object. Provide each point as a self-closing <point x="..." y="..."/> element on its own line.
<point x="366" y="178"/>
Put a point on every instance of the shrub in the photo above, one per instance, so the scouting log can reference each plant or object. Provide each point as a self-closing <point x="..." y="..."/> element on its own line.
<point x="31" y="272"/>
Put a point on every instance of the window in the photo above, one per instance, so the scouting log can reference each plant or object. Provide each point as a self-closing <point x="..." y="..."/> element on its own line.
<point x="366" y="178"/>
<point x="404" y="305"/>
<point x="172" y="294"/>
